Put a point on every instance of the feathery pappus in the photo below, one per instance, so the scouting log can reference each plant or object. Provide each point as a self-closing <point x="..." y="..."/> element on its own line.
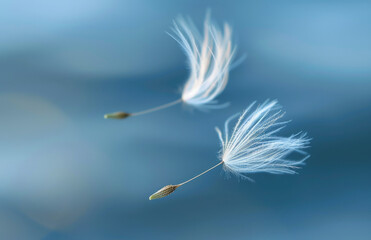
<point x="209" y="56"/>
<point x="252" y="146"/>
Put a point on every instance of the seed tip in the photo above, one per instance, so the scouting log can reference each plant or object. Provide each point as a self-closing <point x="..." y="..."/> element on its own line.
<point x="117" y="115"/>
<point x="163" y="192"/>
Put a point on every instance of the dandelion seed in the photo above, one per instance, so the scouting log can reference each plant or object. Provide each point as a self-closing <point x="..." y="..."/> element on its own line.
<point x="252" y="146"/>
<point x="163" y="192"/>
<point x="209" y="57"/>
<point x="117" y="115"/>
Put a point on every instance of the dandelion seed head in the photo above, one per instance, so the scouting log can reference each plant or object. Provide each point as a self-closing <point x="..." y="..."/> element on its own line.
<point x="209" y="59"/>
<point x="252" y="146"/>
<point x="117" y="115"/>
<point x="163" y="192"/>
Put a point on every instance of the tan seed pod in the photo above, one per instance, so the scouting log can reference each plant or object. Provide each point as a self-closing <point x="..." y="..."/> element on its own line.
<point x="163" y="192"/>
<point x="117" y="115"/>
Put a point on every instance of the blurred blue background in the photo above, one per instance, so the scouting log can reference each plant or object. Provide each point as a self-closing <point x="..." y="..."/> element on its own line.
<point x="66" y="173"/>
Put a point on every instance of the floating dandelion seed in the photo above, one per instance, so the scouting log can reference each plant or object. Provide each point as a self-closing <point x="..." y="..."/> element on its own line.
<point x="252" y="146"/>
<point x="209" y="58"/>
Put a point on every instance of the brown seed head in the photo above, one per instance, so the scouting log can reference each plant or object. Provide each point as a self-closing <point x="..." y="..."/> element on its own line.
<point x="163" y="192"/>
<point x="117" y="115"/>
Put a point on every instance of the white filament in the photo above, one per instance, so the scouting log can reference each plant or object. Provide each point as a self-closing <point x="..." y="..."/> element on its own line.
<point x="253" y="147"/>
<point x="209" y="58"/>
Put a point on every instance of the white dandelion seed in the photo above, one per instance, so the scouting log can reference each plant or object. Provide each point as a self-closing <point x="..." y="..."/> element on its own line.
<point x="253" y="147"/>
<point x="209" y="58"/>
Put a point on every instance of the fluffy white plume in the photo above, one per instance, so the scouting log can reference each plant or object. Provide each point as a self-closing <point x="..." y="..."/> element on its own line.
<point x="209" y="58"/>
<point x="253" y="147"/>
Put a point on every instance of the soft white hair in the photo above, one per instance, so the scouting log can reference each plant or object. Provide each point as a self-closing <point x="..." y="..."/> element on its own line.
<point x="253" y="146"/>
<point x="209" y="58"/>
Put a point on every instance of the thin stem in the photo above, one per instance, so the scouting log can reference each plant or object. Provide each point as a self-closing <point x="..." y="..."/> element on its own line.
<point x="221" y="162"/>
<point x="156" y="108"/>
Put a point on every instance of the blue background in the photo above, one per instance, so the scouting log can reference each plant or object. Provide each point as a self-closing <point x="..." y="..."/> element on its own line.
<point x="67" y="173"/>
